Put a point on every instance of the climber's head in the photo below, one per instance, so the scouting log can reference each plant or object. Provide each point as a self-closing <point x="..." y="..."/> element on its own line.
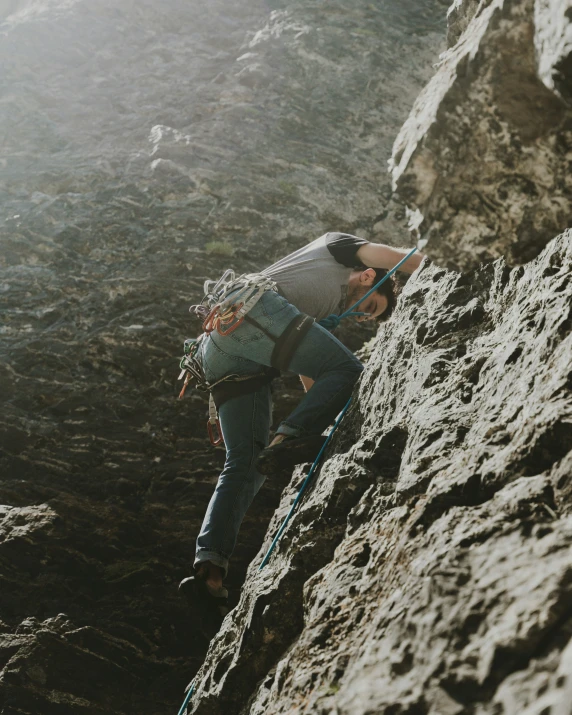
<point x="379" y="304"/>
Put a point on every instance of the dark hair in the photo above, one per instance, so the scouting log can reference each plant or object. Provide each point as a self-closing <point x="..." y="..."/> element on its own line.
<point x="389" y="290"/>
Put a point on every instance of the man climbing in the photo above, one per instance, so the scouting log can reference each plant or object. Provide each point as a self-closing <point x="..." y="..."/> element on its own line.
<point x="281" y="331"/>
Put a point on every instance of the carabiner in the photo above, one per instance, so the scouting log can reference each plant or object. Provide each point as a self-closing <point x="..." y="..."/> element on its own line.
<point x="230" y="329"/>
<point x="210" y="322"/>
<point x="188" y="378"/>
<point x="215" y="433"/>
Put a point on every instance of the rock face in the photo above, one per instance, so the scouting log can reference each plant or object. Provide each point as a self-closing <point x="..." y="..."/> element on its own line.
<point x="430" y="568"/>
<point x="146" y="146"/>
<point x="485" y="153"/>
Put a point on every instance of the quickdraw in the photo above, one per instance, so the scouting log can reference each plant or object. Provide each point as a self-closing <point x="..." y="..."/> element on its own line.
<point x="213" y="425"/>
<point x="218" y="321"/>
<point x="228" y="300"/>
<point x="191" y="371"/>
<point x="190" y="367"/>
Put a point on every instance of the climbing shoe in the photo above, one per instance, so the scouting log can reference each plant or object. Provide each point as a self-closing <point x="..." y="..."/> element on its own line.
<point x="210" y="605"/>
<point x="287" y="454"/>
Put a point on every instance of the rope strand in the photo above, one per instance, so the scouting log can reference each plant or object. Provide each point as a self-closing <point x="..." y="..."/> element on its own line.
<point x="333" y="320"/>
<point x="304" y="485"/>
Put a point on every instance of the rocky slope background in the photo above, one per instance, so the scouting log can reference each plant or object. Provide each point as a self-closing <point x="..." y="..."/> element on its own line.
<point x="148" y="145"/>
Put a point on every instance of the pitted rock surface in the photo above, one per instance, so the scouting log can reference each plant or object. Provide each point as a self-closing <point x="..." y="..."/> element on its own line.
<point x="484" y="157"/>
<point x="146" y="146"/>
<point x="429" y="568"/>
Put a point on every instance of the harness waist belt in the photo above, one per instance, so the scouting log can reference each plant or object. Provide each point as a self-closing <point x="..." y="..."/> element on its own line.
<point x="287" y="344"/>
<point x="228" y="389"/>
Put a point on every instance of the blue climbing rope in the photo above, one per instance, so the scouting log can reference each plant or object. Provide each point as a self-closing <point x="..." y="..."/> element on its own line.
<point x="186" y="702"/>
<point x="304" y="485"/>
<point x="332" y="321"/>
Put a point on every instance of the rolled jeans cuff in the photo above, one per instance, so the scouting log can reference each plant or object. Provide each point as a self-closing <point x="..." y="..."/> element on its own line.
<point x="289" y="430"/>
<point x="212" y="556"/>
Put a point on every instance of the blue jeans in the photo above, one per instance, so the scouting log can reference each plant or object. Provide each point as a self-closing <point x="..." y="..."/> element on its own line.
<point x="245" y="420"/>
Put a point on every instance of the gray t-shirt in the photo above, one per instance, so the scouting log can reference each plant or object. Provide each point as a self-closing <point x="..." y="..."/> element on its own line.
<point x="315" y="278"/>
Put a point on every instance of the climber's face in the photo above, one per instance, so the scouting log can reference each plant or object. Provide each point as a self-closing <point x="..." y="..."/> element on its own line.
<point x="374" y="306"/>
<point x="358" y="285"/>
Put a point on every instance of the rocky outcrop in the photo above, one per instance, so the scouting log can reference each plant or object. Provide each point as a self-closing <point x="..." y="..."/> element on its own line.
<point x="484" y="157"/>
<point x="429" y="568"/>
<point x="147" y="145"/>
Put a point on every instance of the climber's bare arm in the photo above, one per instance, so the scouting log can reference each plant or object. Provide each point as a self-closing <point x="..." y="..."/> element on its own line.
<point x="307" y="382"/>
<point x="377" y="255"/>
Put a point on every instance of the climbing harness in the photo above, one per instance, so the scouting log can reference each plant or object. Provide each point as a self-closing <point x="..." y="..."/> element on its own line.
<point x="225" y="305"/>
<point x="332" y="321"/>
